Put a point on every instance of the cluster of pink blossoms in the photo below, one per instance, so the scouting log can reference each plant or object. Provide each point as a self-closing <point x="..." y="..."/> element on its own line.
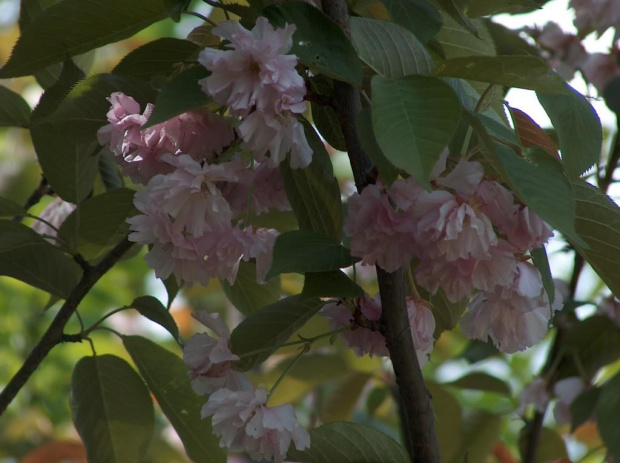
<point x="467" y="233"/>
<point x="238" y="411"/>
<point x="257" y="81"/>
<point x="365" y="339"/>
<point x="193" y="203"/>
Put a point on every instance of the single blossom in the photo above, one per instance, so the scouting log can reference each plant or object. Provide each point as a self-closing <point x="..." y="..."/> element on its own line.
<point x="54" y="215"/>
<point x="244" y="423"/>
<point x="210" y="360"/>
<point x="254" y="70"/>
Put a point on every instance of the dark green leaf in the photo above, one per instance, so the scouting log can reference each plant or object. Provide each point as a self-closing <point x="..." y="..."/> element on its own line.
<point x="14" y="111"/>
<point x="172" y="289"/>
<point x="447" y="314"/>
<point x="166" y="376"/>
<point x="389" y="49"/>
<point x="477" y="8"/>
<point x="156" y="58"/>
<point x="112" y="409"/>
<point x="350" y="443"/>
<point x="366" y="134"/>
<point x="582" y="408"/>
<point x="511" y="71"/>
<point x="477" y="351"/>
<point x="598" y="223"/>
<point x="328" y="125"/>
<point x="457" y="41"/>
<point x="539" y="258"/>
<point x="152" y="309"/>
<point x="9" y="208"/>
<point x="454" y="9"/>
<point x="71" y="27"/>
<point x="607" y="412"/>
<point x="301" y="251"/>
<point x="414" y="118"/>
<point x="314" y="192"/>
<point x="376" y="397"/>
<point x="54" y="95"/>
<point x="418" y="16"/>
<point x="318" y="42"/>
<point x="481" y="382"/>
<point x="481" y="433"/>
<point x="28" y="257"/>
<point x="509" y="41"/>
<point x="175" y="7"/>
<point x="540" y="184"/>
<point x="448" y="412"/>
<point x="108" y="171"/>
<point x="246" y="294"/>
<point x="271" y="326"/>
<point x="99" y="223"/>
<point x="330" y="284"/>
<point x="550" y="448"/>
<point x="578" y="128"/>
<point x="180" y="95"/>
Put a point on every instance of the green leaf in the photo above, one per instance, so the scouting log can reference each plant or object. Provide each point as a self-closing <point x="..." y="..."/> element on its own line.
<point x="418" y="16"/>
<point x="350" y="443"/>
<point x="152" y="309"/>
<point x="477" y="351"/>
<point x="71" y="27"/>
<point x="65" y="140"/>
<point x="414" y="118"/>
<point x="172" y="289"/>
<point x="376" y="398"/>
<point x="166" y="376"/>
<point x="481" y="433"/>
<point x="108" y="171"/>
<point x="366" y="134"/>
<point x="447" y="314"/>
<point x="447" y="411"/>
<point x="454" y="9"/>
<point x="477" y="8"/>
<point x="598" y="223"/>
<point x="270" y="327"/>
<point x="112" y="409"/>
<point x="481" y="382"/>
<point x="330" y="284"/>
<point x="326" y="121"/>
<point x="156" y="58"/>
<point x="180" y="95"/>
<point x="539" y="259"/>
<point x="540" y="184"/>
<point x="53" y="96"/>
<point x="301" y="251"/>
<point x="607" y="410"/>
<point x="578" y="128"/>
<point x="28" y="257"/>
<point x="99" y="223"/>
<point x="511" y="71"/>
<point x="174" y="8"/>
<point x="389" y="49"/>
<point x="246" y="294"/>
<point x="318" y="41"/>
<point x="9" y="208"/>
<point x="14" y="111"/>
<point x="314" y="192"/>
<point x="457" y="41"/>
<point x="340" y="403"/>
<point x="551" y="446"/>
<point x="582" y="408"/>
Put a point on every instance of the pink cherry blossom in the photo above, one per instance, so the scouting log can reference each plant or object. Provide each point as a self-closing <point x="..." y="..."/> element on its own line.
<point x="464" y="178"/>
<point x="600" y="68"/>
<point x="244" y="423"/>
<point x="254" y="70"/>
<point x="422" y="325"/>
<point x="497" y="203"/>
<point x="596" y="15"/>
<point x="260" y="247"/>
<point x="379" y="234"/>
<point x="54" y="215"/>
<point x="210" y="360"/>
<point x="528" y="230"/>
<point x="277" y="134"/>
<point x="536" y="394"/>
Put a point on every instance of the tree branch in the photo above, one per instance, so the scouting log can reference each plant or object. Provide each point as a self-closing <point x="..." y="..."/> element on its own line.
<point x="416" y="408"/>
<point x="54" y="334"/>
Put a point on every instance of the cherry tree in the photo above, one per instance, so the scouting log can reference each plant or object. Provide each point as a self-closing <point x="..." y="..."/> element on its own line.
<point x="209" y="159"/>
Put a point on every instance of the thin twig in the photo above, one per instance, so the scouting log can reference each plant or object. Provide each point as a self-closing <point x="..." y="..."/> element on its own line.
<point x="416" y="408"/>
<point x="54" y="334"/>
<point x="35" y="197"/>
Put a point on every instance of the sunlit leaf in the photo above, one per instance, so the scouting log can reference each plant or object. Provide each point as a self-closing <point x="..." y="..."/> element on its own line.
<point x="389" y="49"/>
<point x="350" y="443"/>
<point x="71" y="27"/>
<point x="112" y="409"/>
<point x="166" y="376"/>
<point x="414" y="118"/>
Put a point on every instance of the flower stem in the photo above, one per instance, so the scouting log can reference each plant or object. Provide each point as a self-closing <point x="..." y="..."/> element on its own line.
<point x="302" y="351"/>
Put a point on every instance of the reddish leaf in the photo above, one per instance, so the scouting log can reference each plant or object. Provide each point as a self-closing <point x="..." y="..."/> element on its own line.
<point x="530" y="133"/>
<point x="57" y="452"/>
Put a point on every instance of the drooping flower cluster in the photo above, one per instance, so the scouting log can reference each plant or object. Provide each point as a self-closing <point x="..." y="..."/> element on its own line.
<point x="257" y="80"/>
<point x="467" y="233"/>
<point x="364" y="336"/>
<point x="238" y="411"/>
